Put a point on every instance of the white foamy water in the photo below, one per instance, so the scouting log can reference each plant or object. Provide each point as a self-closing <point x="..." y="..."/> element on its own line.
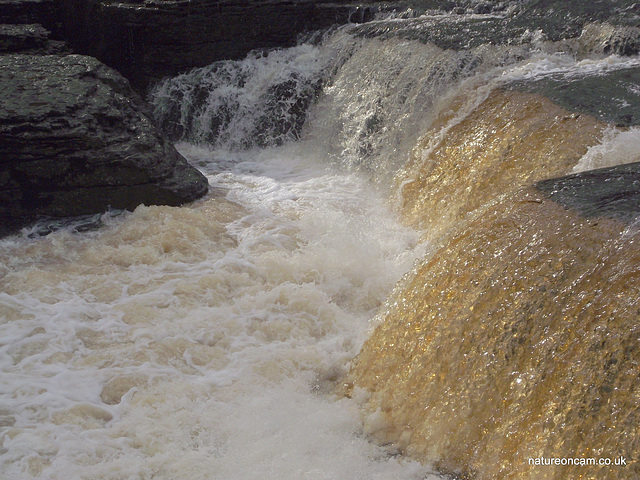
<point x="201" y="342"/>
<point x="239" y="104"/>
<point x="618" y="146"/>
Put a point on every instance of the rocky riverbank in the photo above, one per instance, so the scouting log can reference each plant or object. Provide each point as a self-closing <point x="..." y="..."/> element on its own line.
<point x="75" y="137"/>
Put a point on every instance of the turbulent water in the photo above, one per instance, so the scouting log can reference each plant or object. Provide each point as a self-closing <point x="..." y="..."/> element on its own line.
<point x="201" y="342"/>
<point x="206" y="342"/>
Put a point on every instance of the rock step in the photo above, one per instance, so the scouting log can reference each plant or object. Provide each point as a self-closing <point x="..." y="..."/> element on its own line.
<point x="150" y="41"/>
<point x="29" y="38"/>
<point x="612" y="192"/>
<point x="43" y="12"/>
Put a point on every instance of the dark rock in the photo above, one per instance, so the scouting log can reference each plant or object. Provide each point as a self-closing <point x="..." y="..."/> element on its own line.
<point x="560" y="19"/>
<point x="75" y="139"/>
<point x="612" y="192"/>
<point x="612" y="96"/>
<point x="29" y="38"/>
<point x="15" y="38"/>
<point x="151" y="40"/>
<point x="516" y="22"/>
<point x="609" y="39"/>
<point x="43" y="12"/>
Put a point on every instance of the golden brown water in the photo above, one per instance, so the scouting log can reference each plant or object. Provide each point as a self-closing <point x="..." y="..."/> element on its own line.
<point x="516" y="336"/>
<point x="510" y="140"/>
<point x="517" y="339"/>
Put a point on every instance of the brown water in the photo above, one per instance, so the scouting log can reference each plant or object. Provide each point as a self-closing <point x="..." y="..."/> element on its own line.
<point x="516" y="336"/>
<point x="510" y="140"/>
<point x="207" y="342"/>
<point x="200" y="342"/>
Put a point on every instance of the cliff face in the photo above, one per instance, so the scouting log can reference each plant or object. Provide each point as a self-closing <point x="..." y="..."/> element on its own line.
<point x="151" y="40"/>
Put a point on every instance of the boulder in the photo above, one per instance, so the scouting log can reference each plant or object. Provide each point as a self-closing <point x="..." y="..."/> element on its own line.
<point x="75" y="139"/>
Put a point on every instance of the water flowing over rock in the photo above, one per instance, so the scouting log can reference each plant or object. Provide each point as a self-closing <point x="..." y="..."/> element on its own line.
<point x="261" y="100"/>
<point x="602" y="26"/>
<point x="221" y="341"/>
<point x="151" y="40"/>
<point x="514" y="340"/>
<point x="517" y="139"/>
<point x="75" y="139"/>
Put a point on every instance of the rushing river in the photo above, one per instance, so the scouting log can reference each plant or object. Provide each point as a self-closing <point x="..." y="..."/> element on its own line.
<point x="209" y="341"/>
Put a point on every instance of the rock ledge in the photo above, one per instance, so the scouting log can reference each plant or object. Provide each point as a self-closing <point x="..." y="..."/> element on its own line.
<point x="75" y="139"/>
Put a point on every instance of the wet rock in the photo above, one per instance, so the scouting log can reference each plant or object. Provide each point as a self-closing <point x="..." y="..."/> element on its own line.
<point x="609" y="39"/>
<point x="516" y="22"/>
<point x="76" y="140"/>
<point x="611" y="96"/>
<point x="612" y="192"/>
<point x="559" y="19"/>
<point x="448" y="32"/>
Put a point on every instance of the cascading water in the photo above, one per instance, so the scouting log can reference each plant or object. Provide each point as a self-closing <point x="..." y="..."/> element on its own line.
<point x="207" y="342"/>
<point x="257" y="102"/>
<point x="374" y="98"/>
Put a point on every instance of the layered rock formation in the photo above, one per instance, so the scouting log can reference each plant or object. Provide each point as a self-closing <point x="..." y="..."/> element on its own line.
<point x="151" y="40"/>
<point x="75" y="139"/>
<point x="23" y="38"/>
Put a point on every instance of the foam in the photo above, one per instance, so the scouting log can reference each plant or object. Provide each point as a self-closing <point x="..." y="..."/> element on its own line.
<point x="203" y="341"/>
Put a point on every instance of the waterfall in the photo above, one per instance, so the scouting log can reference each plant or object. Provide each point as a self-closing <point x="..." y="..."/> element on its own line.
<point x="259" y="101"/>
<point x="362" y="101"/>
<point x="387" y="279"/>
